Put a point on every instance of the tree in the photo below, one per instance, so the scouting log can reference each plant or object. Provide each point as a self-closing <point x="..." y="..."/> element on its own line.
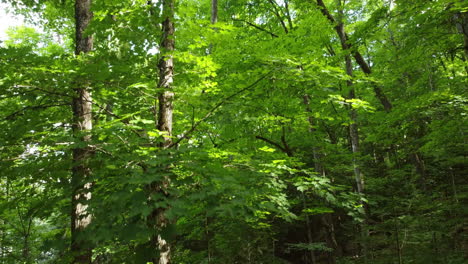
<point x="165" y="122"/>
<point x="82" y="124"/>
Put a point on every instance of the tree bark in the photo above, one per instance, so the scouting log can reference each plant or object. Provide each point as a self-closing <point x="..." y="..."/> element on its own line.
<point x="82" y="123"/>
<point x="214" y="11"/>
<point x="344" y="39"/>
<point x="353" y="127"/>
<point x="158" y="217"/>
<point x="166" y="73"/>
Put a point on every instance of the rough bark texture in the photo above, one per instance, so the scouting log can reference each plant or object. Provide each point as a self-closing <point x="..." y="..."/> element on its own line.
<point x="165" y="97"/>
<point x="166" y="73"/>
<point x="344" y="39"/>
<point x="82" y="123"/>
<point x="83" y="16"/>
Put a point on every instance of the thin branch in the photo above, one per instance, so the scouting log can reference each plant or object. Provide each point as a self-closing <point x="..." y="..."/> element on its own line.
<point x="42" y="90"/>
<point x="271" y="142"/>
<point x="286" y="147"/>
<point x="109" y="112"/>
<point x="288" y="14"/>
<point x="34" y="88"/>
<point x="276" y="12"/>
<point x="96" y="148"/>
<point x="121" y="119"/>
<point x="257" y="27"/>
<point x="185" y="134"/>
<point x="330" y="49"/>
<point x="24" y="109"/>
<point x="212" y="140"/>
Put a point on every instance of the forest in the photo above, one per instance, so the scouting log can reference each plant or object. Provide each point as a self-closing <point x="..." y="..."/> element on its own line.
<point x="234" y="132"/>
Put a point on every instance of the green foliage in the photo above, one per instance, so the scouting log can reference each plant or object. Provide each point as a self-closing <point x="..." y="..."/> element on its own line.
<point x="264" y="171"/>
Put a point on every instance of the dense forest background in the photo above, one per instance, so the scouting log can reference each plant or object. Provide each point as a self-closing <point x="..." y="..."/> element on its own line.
<point x="235" y="131"/>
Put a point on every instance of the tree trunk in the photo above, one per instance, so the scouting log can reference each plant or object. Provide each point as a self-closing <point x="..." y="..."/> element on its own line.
<point x="166" y="73"/>
<point x="339" y="28"/>
<point x="214" y="11"/>
<point x="166" y="96"/>
<point x="420" y="169"/>
<point x="354" y="138"/>
<point x="461" y="22"/>
<point x="326" y="222"/>
<point x="315" y="151"/>
<point x="82" y="123"/>
<point x="208" y="235"/>
<point x="353" y="128"/>
<point x="26" y="252"/>
<point x="310" y="239"/>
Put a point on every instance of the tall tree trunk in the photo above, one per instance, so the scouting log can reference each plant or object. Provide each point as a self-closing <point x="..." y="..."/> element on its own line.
<point x="166" y="73"/>
<point x="159" y="219"/>
<point x="327" y="224"/>
<point x="82" y="123"/>
<point x="214" y="11"/>
<point x="353" y="128"/>
<point x="339" y="28"/>
<point x="208" y="220"/>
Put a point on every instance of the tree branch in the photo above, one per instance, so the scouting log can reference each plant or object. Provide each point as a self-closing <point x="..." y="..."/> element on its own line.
<point x="31" y="107"/>
<point x="276" y="12"/>
<point x="286" y="147"/>
<point x="288" y="14"/>
<point x="257" y="27"/>
<point x="34" y="88"/>
<point x="185" y="134"/>
<point x="346" y="45"/>
<point x="271" y="142"/>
